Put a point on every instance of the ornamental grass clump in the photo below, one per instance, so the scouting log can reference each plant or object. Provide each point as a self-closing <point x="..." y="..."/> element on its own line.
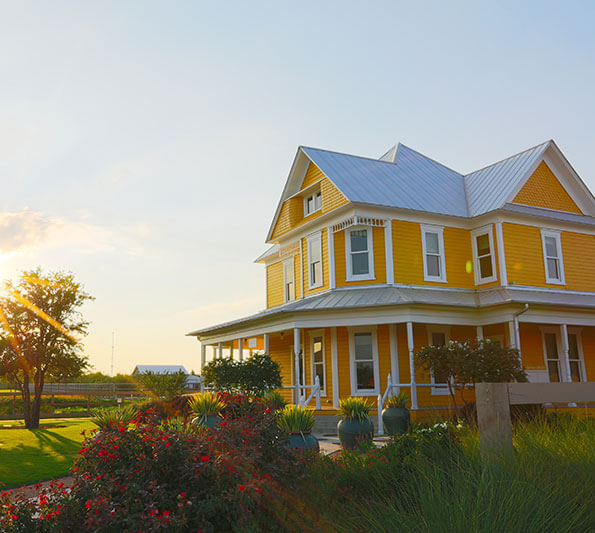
<point x="296" y="420"/>
<point x="355" y="409"/>
<point x="114" y="418"/>
<point x="274" y="400"/>
<point x="206" y="404"/>
<point x="398" y="400"/>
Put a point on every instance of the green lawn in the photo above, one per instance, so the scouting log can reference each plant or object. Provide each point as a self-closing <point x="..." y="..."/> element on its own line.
<point x="28" y="456"/>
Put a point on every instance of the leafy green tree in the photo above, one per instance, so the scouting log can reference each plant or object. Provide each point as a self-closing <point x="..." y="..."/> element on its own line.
<point x="462" y="364"/>
<point x="255" y="375"/>
<point x="40" y="334"/>
<point x="165" y="386"/>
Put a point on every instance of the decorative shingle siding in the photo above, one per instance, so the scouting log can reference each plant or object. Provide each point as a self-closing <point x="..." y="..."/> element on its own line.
<point x="544" y="190"/>
<point x="313" y="174"/>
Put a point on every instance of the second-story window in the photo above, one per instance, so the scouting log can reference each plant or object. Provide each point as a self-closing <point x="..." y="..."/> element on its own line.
<point x="552" y="255"/>
<point x="315" y="261"/>
<point x="359" y="252"/>
<point x="433" y="253"/>
<point x="483" y="254"/>
<point x="289" y="280"/>
<point x="312" y="203"/>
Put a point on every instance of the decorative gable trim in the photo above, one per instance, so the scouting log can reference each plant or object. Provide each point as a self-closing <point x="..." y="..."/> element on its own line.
<point x="358" y="220"/>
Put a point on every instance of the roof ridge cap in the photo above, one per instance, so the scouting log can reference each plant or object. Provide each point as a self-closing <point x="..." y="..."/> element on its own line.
<point x="432" y="159"/>
<point x="345" y="153"/>
<point x="509" y="157"/>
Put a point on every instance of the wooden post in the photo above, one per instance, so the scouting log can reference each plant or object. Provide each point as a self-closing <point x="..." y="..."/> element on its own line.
<point x="335" y="367"/>
<point x="296" y="352"/>
<point x="411" y="365"/>
<point x="394" y="355"/>
<point x="493" y="418"/>
<point x="203" y="356"/>
<point x="266" y="344"/>
<point x="241" y="348"/>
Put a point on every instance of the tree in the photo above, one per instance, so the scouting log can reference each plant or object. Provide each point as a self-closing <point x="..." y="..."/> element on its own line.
<point x="462" y="364"/>
<point x="165" y="386"/>
<point x="255" y="375"/>
<point x="40" y="334"/>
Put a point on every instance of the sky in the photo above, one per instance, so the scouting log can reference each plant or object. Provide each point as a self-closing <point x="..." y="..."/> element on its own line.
<point x="144" y="145"/>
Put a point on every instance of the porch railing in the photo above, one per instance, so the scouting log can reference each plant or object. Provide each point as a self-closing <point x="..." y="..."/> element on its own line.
<point x="315" y="393"/>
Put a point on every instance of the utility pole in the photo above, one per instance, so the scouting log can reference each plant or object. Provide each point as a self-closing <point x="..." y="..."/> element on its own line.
<point x="113" y="337"/>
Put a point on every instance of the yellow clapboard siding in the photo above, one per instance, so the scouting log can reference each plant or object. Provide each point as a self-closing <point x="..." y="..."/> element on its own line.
<point x="543" y="189"/>
<point x="275" y="284"/>
<point x="525" y="263"/>
<point x="280" y="351"/>
<point x="292" y="210"/>
<point x="313" y="174"/>
<point x="379" y="258"/>
<point x="588" y="341"/>
<point x="408" y="256"/>
<point x="343" y="360"/>
<point x="531" y="346"/>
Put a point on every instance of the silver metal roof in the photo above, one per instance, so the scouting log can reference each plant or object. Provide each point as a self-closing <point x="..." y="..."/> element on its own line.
<point x="159" y="369"/>
<point x="488" y="188"/>
<point x="414" y="181"/>
<point x="549" y="213"/>
<point x="391" y="296"/>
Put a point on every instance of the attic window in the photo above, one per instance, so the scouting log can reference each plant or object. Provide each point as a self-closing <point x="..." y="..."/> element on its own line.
<point x="312" y="203"/>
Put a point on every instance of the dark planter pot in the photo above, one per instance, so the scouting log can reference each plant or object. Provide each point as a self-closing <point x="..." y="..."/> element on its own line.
<point x="353" y="434"/>
<point x="209" y="421"/>
<point x="395" y="420"/>
<point x="303" y="441"/>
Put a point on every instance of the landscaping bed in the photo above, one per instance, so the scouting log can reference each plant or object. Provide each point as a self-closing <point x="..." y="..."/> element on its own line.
<point x="165" y="474"/>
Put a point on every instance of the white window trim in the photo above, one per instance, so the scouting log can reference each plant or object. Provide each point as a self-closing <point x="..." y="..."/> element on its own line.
<point x="556" y="236"/>
<point x="310" y="239"/>
<point x="370" y="274"/>
<point x="476" y="266"/>
<point x="581" y="354"/>
<point x="291" y="261"/>
<point x="561" y="371"/>
<point x="313" y="334"/>
<point x="352" y="374"/>
<point x="440" y="390"/>
<point x="425" y="228"/>
<point x="306" y="198"/>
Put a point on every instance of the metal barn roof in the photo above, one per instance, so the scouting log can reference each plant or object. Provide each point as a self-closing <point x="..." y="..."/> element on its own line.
<point x="159" y="369"/>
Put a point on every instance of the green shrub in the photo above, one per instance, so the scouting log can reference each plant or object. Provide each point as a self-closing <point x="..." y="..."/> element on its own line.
<point x="354" y="408"/>
<point x="295" y="420"/>
<point x="274" y="400"/>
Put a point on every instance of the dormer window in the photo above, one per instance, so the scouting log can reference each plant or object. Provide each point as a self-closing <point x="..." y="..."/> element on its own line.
<point x="312" y="203"/>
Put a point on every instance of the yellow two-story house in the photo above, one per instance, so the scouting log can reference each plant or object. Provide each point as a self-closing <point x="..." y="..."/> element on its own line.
<point x="371" y="259"/>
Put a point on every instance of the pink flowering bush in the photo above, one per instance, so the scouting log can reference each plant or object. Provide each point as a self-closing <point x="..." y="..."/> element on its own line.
<point x="148" y="477"/>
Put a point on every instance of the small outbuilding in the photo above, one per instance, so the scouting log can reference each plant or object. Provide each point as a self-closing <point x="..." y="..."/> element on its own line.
<point x="192" y="381"/>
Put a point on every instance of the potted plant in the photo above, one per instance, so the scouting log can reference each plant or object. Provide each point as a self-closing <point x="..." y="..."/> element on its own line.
<point x="206" y="406"/>
<point x="355" y="427"/>
<point x="298" y="422"/>
<point x="395" y="416"/>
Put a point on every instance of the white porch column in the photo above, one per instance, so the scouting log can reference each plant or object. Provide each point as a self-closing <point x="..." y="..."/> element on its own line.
<point x="241" y="348"/>
<point x="411" y="365"/>
<point x="203" y="356"/>
<point x="388" y="251"/>
<point x="335" y="367"/>
<point x="331" y="256"/>
<point x="394" y="356"/>
<point x="479" y="333"/>
<point x="296" y="353"/>
<point x="219" y="351"/>
<point x="565" y="350"/>
<point x="266" y="344"/>
<point x="511" y="334"/>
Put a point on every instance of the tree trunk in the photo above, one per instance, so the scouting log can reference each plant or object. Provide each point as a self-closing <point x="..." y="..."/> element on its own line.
<point x="26" y="394"/>
<point x="36" y="407"/>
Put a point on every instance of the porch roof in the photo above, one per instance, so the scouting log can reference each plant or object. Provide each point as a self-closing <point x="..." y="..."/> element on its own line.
<point x="384" y="296"/>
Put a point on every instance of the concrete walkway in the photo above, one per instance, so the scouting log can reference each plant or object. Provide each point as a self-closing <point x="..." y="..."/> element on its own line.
<point x="330" y="443"/>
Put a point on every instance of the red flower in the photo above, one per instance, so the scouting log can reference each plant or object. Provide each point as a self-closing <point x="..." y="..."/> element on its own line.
<point x="204" y="458"/>
<point x="165" y="513"/>
<point x="122" y="430"/>
<point x="241" y="487"/>
<point x="182" y="495"/>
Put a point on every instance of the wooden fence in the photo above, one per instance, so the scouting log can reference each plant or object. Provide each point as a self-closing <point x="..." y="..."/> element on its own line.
<point x="493" y="402"/>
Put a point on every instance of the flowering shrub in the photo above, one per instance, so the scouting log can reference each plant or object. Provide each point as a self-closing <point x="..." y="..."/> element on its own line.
<point x="166" y="474"/>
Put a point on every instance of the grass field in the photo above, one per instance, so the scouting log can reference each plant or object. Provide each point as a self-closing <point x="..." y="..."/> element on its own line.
<point x="28" y="456"/>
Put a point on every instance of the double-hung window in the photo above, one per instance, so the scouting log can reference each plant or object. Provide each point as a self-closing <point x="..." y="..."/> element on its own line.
<point x="483" y="254"/>
<point x="289" y="279"/>
<point x="363" y="353"/>
<point x="552" y="256"/>
<point x="432" y="240"/>
<point x="552" y="355"/>
<point x="439" y="336"/>
<point x="318" y="368"/>
<point x="315" y="261"/>
<point x="359" y="254"/>
<point x="312" y="203"/>
<point x="574" y="356"/>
